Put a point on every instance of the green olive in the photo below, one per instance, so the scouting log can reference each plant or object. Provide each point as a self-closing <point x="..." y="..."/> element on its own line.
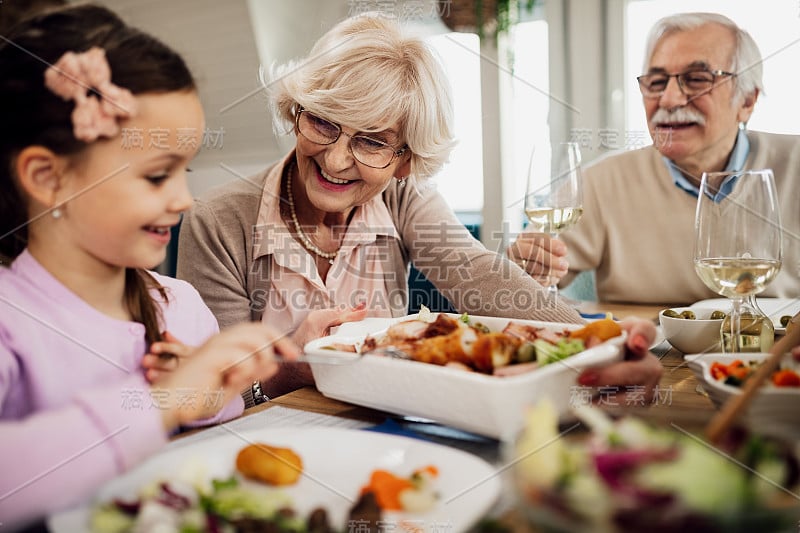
<point x="672" y="314"/>
<point x="717" y="315"/>
<point x="785" y="320"/>
<point x="688" y="314"/>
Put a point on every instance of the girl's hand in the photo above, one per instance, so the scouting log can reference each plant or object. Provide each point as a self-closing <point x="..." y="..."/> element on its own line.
<point x="318" y="323"/>
<point x="640" y="366"/>
<point x="220" y="369"/>
<point x="164" y="356"/>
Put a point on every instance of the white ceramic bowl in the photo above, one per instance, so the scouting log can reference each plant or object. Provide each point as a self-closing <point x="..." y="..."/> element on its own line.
<point x="773" y="411"/>
<point x="692" y="336"/>
<point x="488" y="405"/>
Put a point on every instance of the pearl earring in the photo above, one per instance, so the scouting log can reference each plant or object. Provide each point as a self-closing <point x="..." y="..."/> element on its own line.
<point x="401" y="182"/>
<point x="56" y="212"/>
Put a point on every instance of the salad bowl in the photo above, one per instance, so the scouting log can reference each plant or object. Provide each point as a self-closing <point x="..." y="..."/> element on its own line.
<point x="630" y="476"/>
<point x="772" y="411"/>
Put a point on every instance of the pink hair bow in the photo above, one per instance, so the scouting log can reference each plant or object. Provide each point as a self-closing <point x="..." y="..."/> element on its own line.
<point x="73" y="76"/>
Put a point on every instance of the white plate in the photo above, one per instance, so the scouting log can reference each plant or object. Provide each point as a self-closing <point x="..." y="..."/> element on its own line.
<point x="483" y="404"/>
<point x="336" y="464"/>
<point x="774" y="308"/>
<point x="773" y="410"/>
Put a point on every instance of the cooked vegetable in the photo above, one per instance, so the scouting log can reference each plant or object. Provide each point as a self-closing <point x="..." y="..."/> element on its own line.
<point x="547" y="352"/>
<point x="786" y="378"/>
<point x="395" y="493"/>
<point x="737" y="372"/>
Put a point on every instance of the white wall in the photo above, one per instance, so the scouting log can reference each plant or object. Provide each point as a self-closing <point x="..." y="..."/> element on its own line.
<point x="220" y="43"/>
<point x="217" y="40"/>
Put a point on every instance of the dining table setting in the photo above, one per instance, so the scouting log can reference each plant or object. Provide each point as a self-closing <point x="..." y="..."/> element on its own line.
<point x="473" y="468"/>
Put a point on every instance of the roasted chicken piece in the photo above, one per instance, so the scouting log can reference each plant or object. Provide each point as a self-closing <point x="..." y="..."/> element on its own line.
<point x="448" y="340"/>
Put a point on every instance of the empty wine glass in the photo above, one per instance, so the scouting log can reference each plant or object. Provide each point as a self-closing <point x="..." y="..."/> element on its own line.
<point x="738" y="244"/>
<point x="554" y="195"/>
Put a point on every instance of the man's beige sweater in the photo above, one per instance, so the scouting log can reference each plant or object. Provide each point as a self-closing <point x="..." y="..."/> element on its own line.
<point x="637" y="230"/>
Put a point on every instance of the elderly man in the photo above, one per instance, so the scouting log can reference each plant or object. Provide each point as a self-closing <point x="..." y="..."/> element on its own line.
<point x="702" y="79"/>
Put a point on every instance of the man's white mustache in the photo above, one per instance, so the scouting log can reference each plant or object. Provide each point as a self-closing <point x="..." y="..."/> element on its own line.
<point x="662" y="116"/>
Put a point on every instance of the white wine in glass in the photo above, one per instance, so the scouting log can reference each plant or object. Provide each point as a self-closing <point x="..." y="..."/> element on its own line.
<point x="554" y="194"/>
<point x="738" y="245"/>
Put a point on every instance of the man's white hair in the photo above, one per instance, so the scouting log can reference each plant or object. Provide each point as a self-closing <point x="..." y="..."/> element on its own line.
<point x="746" y="59"/>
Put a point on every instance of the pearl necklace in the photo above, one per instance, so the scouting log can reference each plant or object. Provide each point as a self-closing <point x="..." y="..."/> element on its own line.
<point x="304" y="240"/>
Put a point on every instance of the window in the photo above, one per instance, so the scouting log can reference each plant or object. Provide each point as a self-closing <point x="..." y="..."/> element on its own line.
<point x="776" y="30"/>
<point x="461" y="181"/>
<point x="530" y="100"/>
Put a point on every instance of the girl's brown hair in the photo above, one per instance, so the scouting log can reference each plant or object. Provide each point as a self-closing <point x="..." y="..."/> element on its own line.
<point x="32" y="115"/>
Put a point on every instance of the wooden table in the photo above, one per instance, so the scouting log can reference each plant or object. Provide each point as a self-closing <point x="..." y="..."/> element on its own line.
<point x="677" y="401"/>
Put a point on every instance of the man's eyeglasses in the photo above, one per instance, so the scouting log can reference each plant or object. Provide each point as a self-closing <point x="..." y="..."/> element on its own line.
<point x="367" y="151"/>
<point x="691" y="83"/>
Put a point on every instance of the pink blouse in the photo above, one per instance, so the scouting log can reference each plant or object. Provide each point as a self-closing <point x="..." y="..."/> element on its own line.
<point x="356" y="274"/>
<point x="75" y="409"/>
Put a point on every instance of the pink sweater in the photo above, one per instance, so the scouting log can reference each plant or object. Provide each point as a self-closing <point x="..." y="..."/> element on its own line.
<point x="75" y="409"/>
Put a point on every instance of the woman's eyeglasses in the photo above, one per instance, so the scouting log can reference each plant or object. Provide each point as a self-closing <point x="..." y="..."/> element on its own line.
<point x="366" y="150"/>
<point x="691" y="83"/>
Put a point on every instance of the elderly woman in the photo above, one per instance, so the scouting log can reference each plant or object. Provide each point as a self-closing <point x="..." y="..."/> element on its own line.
<point x="326" y="235"/>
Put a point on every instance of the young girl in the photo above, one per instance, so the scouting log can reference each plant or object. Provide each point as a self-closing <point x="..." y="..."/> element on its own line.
<point x="98" y="123"/>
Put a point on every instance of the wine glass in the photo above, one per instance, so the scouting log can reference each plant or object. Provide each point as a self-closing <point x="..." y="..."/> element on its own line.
<point x="738" y="244"/>
<point x="554" y="195"/>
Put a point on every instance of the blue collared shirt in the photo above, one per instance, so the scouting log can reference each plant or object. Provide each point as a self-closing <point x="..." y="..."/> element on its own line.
<point x="736" y="162"/>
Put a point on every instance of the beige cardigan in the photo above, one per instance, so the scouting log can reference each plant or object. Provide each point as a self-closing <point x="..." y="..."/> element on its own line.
<point x="215" y="254"/>
<point x="637" y="229"/>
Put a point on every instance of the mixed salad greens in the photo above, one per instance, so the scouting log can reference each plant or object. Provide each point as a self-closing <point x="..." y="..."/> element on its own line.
<point x="632" y="477"/>
<point x="225" y="506"/>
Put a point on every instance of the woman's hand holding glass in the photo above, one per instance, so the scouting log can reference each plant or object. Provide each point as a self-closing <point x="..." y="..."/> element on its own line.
<point x="738" y="242"/>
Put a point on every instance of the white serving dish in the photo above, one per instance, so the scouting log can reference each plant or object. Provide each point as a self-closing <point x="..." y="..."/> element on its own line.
<point x="774" y="308"/>
<point x="487" y="405"/>
<point x="773" y="411"/>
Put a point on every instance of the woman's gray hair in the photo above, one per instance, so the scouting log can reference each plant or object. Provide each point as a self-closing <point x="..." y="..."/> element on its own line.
<point x="746" y="59"/>
<point x="366" y="74"/>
